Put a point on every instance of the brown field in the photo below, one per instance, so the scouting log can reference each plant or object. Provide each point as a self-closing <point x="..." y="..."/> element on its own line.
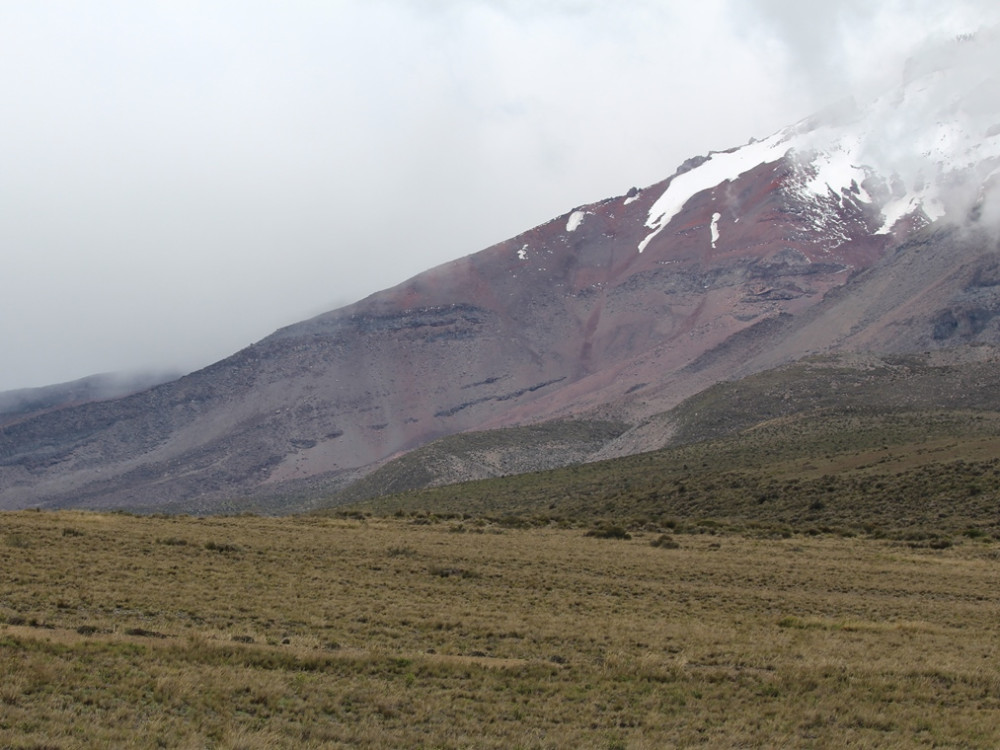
<point x="247" y="632"/>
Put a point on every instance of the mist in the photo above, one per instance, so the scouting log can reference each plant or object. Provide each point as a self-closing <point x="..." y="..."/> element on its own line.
<point x="180" y="179"/>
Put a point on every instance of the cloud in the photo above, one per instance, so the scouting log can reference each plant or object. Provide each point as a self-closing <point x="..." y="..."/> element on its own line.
<point x="181" y="178"/>
<point x="852" y="47"/>
<point x="932" y="136"/>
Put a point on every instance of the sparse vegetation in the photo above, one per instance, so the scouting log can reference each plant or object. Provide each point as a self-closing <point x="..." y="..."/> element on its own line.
<point x="221" y="546"/>
<point x="609" y="531"/>
<point x="507" y="451"/>
<point x="894" y="475"/>
<point x="327" y="632"/>
<point x="665" y="541"/>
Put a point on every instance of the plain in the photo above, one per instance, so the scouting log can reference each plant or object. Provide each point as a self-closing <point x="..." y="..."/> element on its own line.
<point x="421" y="631"/>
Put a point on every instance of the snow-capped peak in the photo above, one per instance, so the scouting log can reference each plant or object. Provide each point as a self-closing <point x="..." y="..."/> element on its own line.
<point x="931" y="145"/>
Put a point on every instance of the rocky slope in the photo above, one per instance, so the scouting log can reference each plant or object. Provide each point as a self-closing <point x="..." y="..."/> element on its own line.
<point x="804" y="242"/>
<point x="25" y="403"/>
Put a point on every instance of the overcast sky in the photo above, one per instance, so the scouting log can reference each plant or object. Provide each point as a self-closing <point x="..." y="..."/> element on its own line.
<point x="179" y="179"/>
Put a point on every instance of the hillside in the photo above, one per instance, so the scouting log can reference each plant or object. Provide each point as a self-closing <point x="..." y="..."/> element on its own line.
<point x="25" y="403"/>
<point x="899" y="447"/>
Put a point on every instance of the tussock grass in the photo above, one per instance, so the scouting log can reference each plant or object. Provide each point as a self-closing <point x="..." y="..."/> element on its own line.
<point x="325" y="632"/>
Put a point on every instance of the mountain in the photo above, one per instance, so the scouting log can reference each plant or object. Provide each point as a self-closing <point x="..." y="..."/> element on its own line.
<point x="865" y="228"/>
<point x="24" y="403"/>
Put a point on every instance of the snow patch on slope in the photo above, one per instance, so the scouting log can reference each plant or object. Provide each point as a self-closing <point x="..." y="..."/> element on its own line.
<point x="719" y="167"/>
<point x="575" y="220"/>
<point x="714" y="228"/>
<point x="837" y="169"/>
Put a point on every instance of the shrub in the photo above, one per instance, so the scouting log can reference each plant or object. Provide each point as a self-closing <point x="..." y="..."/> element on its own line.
<point x="665" y="541"/>
<point x="143" y="633"/>
<point x="216" y="547"/>
<point x="17" y="541"/>
<point x="514" y="522"/>
<point x="609" y="531"/>
<point x="445" y="572"/>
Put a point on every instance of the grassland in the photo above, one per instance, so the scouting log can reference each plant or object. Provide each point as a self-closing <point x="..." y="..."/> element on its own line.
<point x="126" y="631"/>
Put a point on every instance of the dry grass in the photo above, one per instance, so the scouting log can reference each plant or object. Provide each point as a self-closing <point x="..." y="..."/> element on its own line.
<point x="308" y="632"/>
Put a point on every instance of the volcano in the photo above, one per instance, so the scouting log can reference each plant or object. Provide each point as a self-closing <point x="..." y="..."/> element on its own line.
<point x="865" y="228"/>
